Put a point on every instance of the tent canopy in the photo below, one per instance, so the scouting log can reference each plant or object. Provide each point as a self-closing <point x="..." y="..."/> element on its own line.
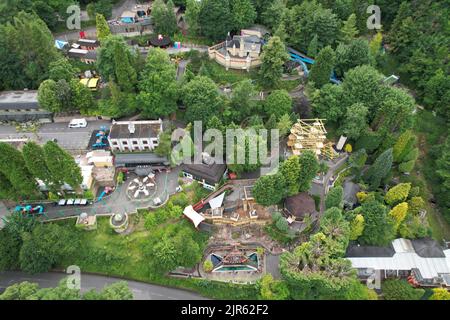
<point x="193" y="215"/>
<point x="217" y="201"/>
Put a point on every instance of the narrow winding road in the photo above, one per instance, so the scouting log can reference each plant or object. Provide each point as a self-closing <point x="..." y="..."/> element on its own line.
<point x="141" y="290"/>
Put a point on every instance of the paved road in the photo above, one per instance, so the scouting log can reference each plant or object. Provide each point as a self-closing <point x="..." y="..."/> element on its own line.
<point x="70" y="139"/>
<point x="141" y="290"/>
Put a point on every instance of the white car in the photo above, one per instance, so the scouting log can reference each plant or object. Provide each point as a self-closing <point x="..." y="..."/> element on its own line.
<point x="78" y="123"/>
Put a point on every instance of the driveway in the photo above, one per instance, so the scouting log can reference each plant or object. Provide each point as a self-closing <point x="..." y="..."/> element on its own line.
<point x="141" y="290"/>
<point x="74" y="139"/>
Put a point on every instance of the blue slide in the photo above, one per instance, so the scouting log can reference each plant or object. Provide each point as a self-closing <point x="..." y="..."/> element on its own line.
<point x="303" y="60"/>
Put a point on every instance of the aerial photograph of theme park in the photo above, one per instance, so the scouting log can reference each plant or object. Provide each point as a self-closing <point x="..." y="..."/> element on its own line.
<point x="224" y="150"/>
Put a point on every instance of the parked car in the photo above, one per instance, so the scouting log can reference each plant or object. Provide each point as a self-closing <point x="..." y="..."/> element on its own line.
<point x="78" y="123"/>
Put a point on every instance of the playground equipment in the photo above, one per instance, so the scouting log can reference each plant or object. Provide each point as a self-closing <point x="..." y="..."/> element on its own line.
<point x="104" y="193"/>
<point x="140" y="188"/>
<point x="28" y="209"/>
<point x="102" y="139"/>
<point x="303" y="60"/>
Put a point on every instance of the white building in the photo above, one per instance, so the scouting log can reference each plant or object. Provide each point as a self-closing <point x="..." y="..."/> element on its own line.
<point x="135" y="136"/>
<point x="423" y="261"/>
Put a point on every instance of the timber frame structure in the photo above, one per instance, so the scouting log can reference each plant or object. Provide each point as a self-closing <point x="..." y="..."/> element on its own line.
<point x="310" y="134"/>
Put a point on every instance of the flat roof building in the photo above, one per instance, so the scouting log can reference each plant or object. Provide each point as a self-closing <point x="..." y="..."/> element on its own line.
<point x="131" y="136"/>
<point x="423" y="261"/>
<point x="22" y="106"/>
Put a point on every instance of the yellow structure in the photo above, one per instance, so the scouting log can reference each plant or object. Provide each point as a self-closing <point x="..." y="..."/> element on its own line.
<point x="91" y="83"/>
<point x="309" y="134"/>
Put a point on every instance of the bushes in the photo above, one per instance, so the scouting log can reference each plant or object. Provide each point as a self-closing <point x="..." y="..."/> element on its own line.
<point x="398" y="193"/>
<point x="162" y="215"/>
<point x="335" y="198"/>
<point x="400" y="290"/>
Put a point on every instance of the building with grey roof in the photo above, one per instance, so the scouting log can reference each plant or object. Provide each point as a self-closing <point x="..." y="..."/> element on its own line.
<point x="135" y="136"/>
<point x="22" y="106"/>
<point x="422" y="261"/>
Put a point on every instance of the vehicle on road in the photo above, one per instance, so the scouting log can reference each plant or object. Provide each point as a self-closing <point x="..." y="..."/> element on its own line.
<point x="78" y="123"/>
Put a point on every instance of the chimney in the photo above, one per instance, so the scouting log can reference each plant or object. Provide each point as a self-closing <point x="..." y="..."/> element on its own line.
<point x="131" y="127"/>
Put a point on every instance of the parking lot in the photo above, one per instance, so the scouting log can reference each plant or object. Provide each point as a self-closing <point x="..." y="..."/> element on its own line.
<point x="72" y="139"/>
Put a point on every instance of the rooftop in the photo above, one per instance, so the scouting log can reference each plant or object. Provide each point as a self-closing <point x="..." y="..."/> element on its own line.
<point x="212" y="173"/>
<point x="300" y="205"/>
<point x="142" y="129"/>
<point x="26" y="99"/>
<point x="138" y="158"/>
<point x="430" y="259"/>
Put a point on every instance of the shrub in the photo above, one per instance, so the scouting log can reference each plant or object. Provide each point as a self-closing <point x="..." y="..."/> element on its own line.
<point x="334" y="198"/>
<point x="208" y="265"/>
<point x="398" y="193"/>
<point x="400" y="290"/>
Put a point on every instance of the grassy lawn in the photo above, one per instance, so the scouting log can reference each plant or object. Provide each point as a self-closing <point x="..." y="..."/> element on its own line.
<point x="200" y="63"/>
<point x="103" y="251"/>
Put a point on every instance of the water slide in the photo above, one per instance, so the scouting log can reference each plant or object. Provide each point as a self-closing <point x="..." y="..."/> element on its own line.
<point x="303" y="60"/>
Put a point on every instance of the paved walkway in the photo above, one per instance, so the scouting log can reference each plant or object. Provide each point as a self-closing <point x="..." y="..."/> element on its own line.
<point x="117" y="202"/>
<point x="141" y="290"/>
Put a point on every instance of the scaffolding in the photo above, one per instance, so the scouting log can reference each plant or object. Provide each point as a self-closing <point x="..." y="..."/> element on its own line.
<point x="308" y="134"/>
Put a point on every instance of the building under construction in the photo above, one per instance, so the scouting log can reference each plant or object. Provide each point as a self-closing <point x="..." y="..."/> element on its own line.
<point x="310" y="134"/>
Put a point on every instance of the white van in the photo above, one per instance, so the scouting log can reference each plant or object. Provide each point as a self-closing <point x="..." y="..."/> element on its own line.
<point x="78" y="123"/>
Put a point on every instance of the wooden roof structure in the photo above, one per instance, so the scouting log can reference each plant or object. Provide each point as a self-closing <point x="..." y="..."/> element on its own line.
<point x="307" y="134"/>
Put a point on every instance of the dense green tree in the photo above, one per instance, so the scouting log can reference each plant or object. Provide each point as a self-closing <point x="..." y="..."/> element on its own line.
<point x="351" y="55"/>
<point x="34" y="157"/>
<point x="117" y="103"/>
<point x="269" y="189"/>
<point x="380" y="169"/>
<point x="437" y="93"/>
<point x="215" y="19"/>
<point x="13" y="168"/>
<point x="26" y="51"/>
<point x="335" y="198"/>
<point x="362" y="84"/>
<point x="243" y="102"/>
<point x="270" y="289"/>
<point x="396" y="289"/>
<point x="62" y="69"/>
<point x="47" y="96"/>
<point x="125" y="73"/>
<point x="158" y="87"/>
<point x="379" y="229"/>
<point x="290" y="170"/>
<point x="243" y="13"/>
<point x="116" y="61"/>
<point x="278" y="103"/>
<point x="272" y="14"/>
<point x="328" y="104"/>
<point x="323" y="67"/>
<point x="308" y="19"/>
<point x="102" y="27"/>
<point x="349" y="30"/>
<point x="45" y="246"/>
<point x="354" y="121"/>
<point x="273" y="58"/>
<point x="309" y="166"/>
<point x="192" y="16"/>
<point x="284" y="125"/>
<point x="313" y="47"/>
<point x="172" y="246"/>
<point x="395" y="113"/>
<point x="201" y="97"/>
<point x="116" y="291"/>
<point x="62" y="166"/>
<point x="20" y="291"/>
<point x="163" y="17"/>
<point x="15" y="225"/>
